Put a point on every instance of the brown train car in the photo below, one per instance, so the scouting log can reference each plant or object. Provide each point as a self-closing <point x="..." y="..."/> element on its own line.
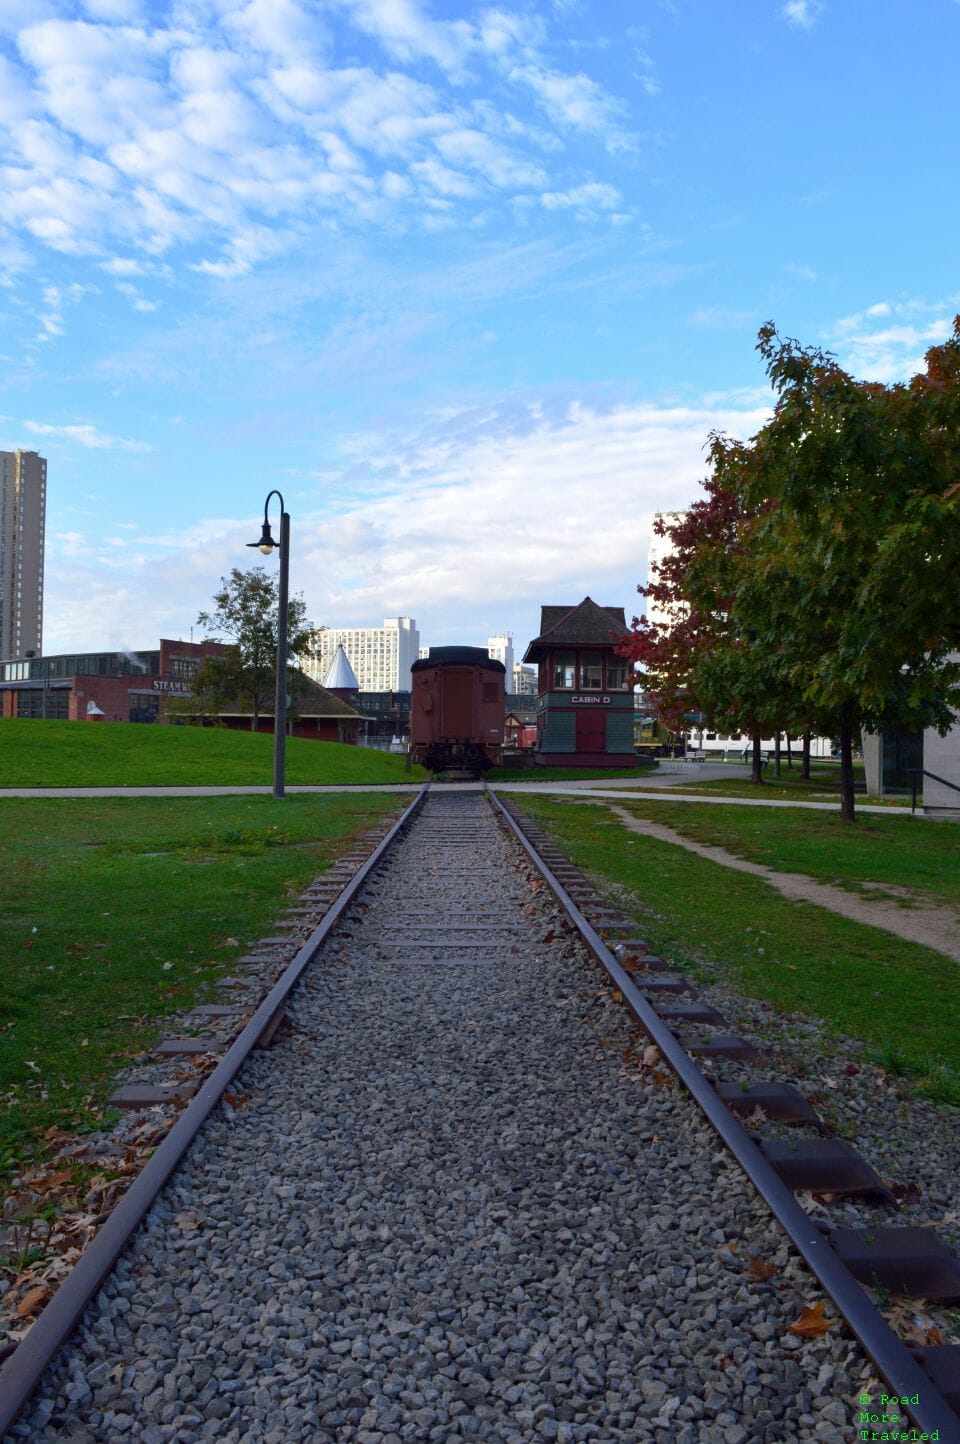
<point x="457" y="710"/>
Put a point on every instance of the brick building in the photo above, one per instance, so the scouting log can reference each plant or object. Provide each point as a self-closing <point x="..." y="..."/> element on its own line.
<point x="137" y="686"/>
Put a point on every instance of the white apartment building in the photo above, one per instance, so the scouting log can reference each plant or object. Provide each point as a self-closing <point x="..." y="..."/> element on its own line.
<point x="524" y="680"/>
<point x="658" y="549"/>
<point x="381" y="657"/>
<point x="501" y="650"/>
<point x="23" y="506"/>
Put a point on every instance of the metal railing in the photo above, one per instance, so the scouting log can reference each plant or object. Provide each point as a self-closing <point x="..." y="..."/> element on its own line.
<point x="915" y="773"/>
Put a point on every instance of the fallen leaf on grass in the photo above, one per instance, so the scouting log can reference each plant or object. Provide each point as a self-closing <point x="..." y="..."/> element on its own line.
<point x="812" y="1324"/>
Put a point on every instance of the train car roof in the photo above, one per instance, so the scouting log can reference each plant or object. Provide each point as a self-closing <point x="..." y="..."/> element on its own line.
<point x="458" y="656"/>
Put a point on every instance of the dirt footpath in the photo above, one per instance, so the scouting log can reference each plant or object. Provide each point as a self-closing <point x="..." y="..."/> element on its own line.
<point x="934" y="926"/>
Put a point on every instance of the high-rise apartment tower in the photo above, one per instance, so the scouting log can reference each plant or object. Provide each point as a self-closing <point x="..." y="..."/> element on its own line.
<point x="381" y="657"/>
<point x="501" y="650"/>
<point x="23" y="506"/>
<point x="660" y="548"/>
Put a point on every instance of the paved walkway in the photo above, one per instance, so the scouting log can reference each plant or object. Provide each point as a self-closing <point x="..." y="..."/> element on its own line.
<point x="604" y="791"/>
<point x="612" y="789"/>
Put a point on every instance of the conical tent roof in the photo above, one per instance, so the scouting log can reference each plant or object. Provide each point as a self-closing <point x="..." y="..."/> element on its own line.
<point x="340" y="674"/>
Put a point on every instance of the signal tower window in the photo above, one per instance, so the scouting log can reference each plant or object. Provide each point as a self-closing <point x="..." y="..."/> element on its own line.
<point x="591" y="674"/>
<point x="564" y="670"/>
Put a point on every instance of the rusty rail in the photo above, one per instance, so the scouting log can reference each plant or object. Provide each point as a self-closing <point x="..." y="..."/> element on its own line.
<point x="22" y="1372"/>
<point x="892" y="1358"/>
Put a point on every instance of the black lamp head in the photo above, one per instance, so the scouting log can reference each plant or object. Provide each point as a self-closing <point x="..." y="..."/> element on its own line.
<point x="266" y="544"/>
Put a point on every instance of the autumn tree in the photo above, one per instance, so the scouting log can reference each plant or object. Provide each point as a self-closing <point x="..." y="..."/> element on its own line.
<point x="246" y="617"/>
<point x="816" y="583"/>
<point x="703" y="659"/>
<point x="851" y="570"/>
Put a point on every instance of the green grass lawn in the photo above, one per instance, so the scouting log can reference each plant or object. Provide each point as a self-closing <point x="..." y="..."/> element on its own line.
<point x="129" y="754"/>
<point x="116" y="912"/>
<point x="900" y="999"/>
<point x="916" y="853"/>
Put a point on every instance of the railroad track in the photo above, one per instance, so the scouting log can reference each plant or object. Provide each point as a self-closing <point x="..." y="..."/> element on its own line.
<point x="437" y="1209"/>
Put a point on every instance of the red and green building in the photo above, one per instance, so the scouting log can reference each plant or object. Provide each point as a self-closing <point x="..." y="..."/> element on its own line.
<point x="584" y="703"/>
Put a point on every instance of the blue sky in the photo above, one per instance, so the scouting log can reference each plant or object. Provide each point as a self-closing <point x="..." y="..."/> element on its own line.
<point x="470" y="284"/>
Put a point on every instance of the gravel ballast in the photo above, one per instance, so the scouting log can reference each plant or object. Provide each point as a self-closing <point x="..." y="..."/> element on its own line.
<point x="443" y="1207"/>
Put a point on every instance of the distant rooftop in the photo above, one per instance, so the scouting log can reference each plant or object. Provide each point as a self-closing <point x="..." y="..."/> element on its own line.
<point x="340" y="674"/>
<point x="585" y="624"/>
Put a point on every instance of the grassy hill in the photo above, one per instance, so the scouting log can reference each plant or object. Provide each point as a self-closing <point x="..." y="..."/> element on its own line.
<point x="128" y="754"/>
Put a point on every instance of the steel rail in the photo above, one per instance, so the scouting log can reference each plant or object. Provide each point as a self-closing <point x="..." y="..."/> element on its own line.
<point x="892" y="1358"/>
<point x="24" y="1368"/>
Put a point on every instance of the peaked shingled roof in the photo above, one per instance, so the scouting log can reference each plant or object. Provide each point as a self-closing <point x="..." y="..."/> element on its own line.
<point x="309" y="700"/>
<point x="586" y="624"/>
<point x="340" y="673"/>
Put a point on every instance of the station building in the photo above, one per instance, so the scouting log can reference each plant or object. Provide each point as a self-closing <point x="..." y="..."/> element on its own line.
<point x="895" y="760"/>
<point x="584" y="702"/>
<point x="138" y="687"/>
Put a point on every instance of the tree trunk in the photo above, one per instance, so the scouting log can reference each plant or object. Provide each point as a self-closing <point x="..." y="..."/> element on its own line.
<point x="776" y="757"/>
<point x="789" y="755"/>
<point x="846" y="768"/>
<point x="805" y="767"/>
<point x="757" y="774"/>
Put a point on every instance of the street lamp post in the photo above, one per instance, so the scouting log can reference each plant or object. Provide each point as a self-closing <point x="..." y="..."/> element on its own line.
<point x="267" y="546"/>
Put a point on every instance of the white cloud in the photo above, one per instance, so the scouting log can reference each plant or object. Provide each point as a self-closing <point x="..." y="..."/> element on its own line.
<point x="53" y="299"/>
<point x="576" y="102"/>
<point x="443" y="522"/>
<point x="893" y="351"/>
<point x="86" y="435"/>
<point x="126" y="141"/>
<point x="803" y="14"/>
<point x="433" y="539"/>
<point x="138" y="302"/>
<point x="403" y="28"/>
<point x="588" y="198"/>
<point x="280" y="29"/>
<point x="471" y="148"/>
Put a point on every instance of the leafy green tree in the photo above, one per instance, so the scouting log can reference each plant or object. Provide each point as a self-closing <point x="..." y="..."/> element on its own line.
<point x="850" y="576"/>
<point x="815" y="587"/>
<point x="246" y="616"/>
<point x="198" y="708"/>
